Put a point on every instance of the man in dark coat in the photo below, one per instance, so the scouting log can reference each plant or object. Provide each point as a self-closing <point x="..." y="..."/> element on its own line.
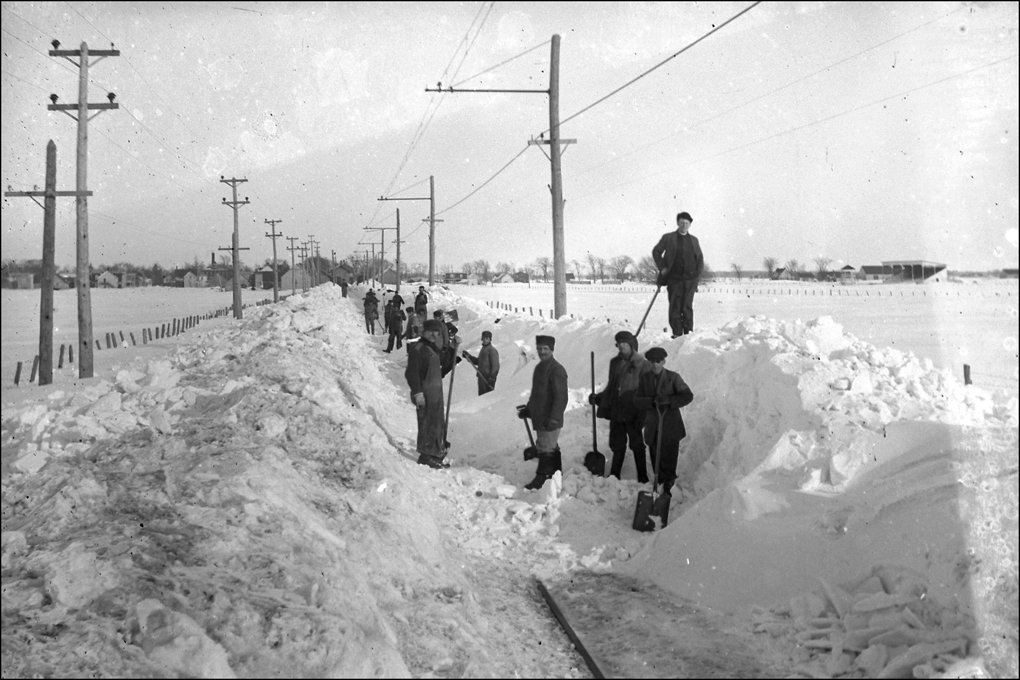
<point x="394" y="322"/>
<point x="680" y="261"/>
<point x="662" y="392"/>
<point x="545" y="407"/>
<point x="414" y="323"/>
<point x="424" y="375"/>
<point x="486" y="363"/>
<point x="616" y="404"/>
<point x="371" y="311"/>
<point x="421" y="301"/>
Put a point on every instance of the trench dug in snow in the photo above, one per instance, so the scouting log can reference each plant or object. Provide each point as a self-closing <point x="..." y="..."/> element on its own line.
<point x="249" y="507"/>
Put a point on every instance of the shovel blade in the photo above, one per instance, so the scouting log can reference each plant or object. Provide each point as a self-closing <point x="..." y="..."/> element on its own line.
<point x="596" y="463"/>
<point x="648" y="506"/>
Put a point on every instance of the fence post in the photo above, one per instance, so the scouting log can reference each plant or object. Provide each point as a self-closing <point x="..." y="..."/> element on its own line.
<point x="122" y="340"/>
<point x="60" y="361"/>
<point x="70" y="354"/>
<point x="35" y="367"/>
<point x="966" y="374"/>
<point x="133" y="343"/>
<point x="17" y="374"/>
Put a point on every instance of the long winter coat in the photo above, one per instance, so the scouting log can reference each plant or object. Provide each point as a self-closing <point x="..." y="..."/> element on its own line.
<point x="680" y="255"/>
<point x="424" y="374"/>
<point x="395" y="319"/>
<point x="487" y="362"/>
<point x="666" y="387"/>
<point x="413" y="326"/>
<point x="616" y="402"/>
<point x="548" y="398"/>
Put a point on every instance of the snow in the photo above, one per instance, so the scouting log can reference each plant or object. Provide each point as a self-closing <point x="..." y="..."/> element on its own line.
<point x="245" y="502"/>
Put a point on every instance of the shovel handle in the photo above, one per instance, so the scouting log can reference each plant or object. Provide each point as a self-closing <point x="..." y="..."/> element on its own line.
<point x="528" y="428"/>
<point x="642" y="324"/>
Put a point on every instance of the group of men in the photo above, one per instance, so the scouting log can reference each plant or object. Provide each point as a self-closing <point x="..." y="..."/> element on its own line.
<point x="642" y="399"/>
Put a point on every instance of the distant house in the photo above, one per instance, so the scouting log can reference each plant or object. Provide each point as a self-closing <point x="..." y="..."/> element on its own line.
<point x="21" y="280"/>
<point x="522" y="277"/>
<point x="1009" y="273"/>
<point x="62" y="282"/>
<point x="504" y="278"/>
<point x="847" y="274"/>
<point x="454" y="277"/>
<point x="126" y="280"/>
<point x="388" y="277"/>
<point x="262" y="278"/>
<point x="182" y="278"/>
<point x="342" y="272"/>
<point x="782" y="274"/>
<point x="471" y="280"/>
<point x="296" y="279"/>
<point x="217" y="277"/>
<point x="107" y="280"/>
<point x="899" y="271"/>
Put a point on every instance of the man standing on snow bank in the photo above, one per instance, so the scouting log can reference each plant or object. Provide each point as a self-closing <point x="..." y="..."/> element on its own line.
<point x="487" y="363"/>
<point x="421" y="301"/>
<point x="371" y="311"/>
<point x="616" y="404"/>
<point x="680" y="261"/>
<point x="545" y="407"/>
<point x="661" y="393"/>
<point x="424" y="375"/>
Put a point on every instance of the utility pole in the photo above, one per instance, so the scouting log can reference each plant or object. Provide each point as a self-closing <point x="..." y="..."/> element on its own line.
<point x="432" y="223"/>
<point x="235" y="204"/>
<point x="398" y="251"/>
<point x="314" y="250"/>
<point x="48" y="259"/>
<point x="276" y="279"/>
<point x="556" y="187"/>
<point x="293" y="272"/>
<point x="85" y="363"/>
<point x="382" y="245"/>
<point x="304" y="266"/>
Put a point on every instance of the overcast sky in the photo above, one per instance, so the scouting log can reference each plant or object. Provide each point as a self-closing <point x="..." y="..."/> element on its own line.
<point x="860" y="132"/>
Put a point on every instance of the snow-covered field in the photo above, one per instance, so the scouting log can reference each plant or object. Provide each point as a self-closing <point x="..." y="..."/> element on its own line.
<point x="245" y="502"/>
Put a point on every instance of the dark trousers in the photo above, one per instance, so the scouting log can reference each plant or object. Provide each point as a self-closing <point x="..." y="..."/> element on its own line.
<point x="394" y="335"/>
<point x="484" y="387"/>
<point x="670" y="455"/>
<point x="681" y="305"/>
<point x="619" y="434"/>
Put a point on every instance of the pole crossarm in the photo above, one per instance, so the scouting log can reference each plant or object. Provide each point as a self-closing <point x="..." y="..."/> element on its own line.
<point x="46" y="194"/>
<point x="425" y="198"/>
<point x="539" y="142"/>
<point x="455" y="91"/>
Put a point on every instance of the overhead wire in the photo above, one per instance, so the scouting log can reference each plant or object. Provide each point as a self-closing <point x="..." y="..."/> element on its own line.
<point x="805" y="125"/>
<point x="765" y="95"/>
<point x="502" y="63"/>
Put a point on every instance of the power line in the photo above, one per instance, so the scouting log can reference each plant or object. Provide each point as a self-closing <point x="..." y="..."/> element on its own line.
<point x="805" y="125"/>
<point x="664" y="61"/>
<point x="767" y="94"/>
<point x="502" y="63"/>
<point x="482" y="185"/>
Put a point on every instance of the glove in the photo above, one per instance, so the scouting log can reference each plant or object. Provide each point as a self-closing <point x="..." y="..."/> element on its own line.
<point x="465" y="354"/>
<point x="419" y="400"/>
<point x="593" y="399"/>
<point x="662" y="402"/>
<point x="523" y="413"/>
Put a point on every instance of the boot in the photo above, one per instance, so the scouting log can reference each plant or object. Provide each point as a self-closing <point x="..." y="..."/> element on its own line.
<point x="617" y="466"/>
<point x="640" y="462"/>
<point x="433" y="462"/>
<point x="547" y="465"/>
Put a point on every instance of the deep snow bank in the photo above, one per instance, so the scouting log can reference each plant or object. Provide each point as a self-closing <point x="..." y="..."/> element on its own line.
<point x="811" y="455"/>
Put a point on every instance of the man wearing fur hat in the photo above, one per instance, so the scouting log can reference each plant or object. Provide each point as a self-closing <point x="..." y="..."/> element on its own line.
<point x="616" y="404"/>
<point x="426" y="367"/>
<point x="680" y="261"/>
<point x="661" y="393"/>
<point x="545" y="407"/>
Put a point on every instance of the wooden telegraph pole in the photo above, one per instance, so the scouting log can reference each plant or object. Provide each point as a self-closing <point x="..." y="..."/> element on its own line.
<point x="85" y="359"/>
<point x="235" y="204"/>
<point x="49" y="269"/>
<point x="556" y="186"/>
<point x="276" y="279"/>
<point x="293" y="272"/>
<point x="431" y="198"/>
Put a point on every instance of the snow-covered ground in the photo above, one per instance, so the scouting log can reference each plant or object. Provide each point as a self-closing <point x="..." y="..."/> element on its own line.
<point x="245" y="502"/>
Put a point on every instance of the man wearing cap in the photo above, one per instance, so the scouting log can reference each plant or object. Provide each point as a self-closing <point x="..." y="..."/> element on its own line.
<point x="371" y="311"/>
<point x="616" y="404"/>
<point x="421" y="301"/>
<point x="486" y="363"/>
<point x="424" y="374"/>
<point x="545" y="407"/>
<point x="661" y="393"/>
<point x="680" y="261"/>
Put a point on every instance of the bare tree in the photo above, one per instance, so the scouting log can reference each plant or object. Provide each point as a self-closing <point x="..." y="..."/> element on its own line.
<point x="737" y="269"/>
<point x="770" y="265"/>
<point x="544" y="264"/>
<point x="468" y="268"/>
<point x="619" y="265"/>
<point x="596" y="265"/>
<point x="504" y="268"/>
<point x="793" y="267"/>
<point x="646" y="269"/>
<point x="822" y="266"/>
<point x="483" y="269"/>
<point x="576" y="264"/>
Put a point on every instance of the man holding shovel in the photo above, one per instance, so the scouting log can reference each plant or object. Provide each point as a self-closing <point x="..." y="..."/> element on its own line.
<point x="616" y="404"/>
<point x="680" y="261"/>
<point x="486" y="364"/>
<point x="426" y="368"/>
<point x="546" y="406"/>
<point x="661" y="393"/>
